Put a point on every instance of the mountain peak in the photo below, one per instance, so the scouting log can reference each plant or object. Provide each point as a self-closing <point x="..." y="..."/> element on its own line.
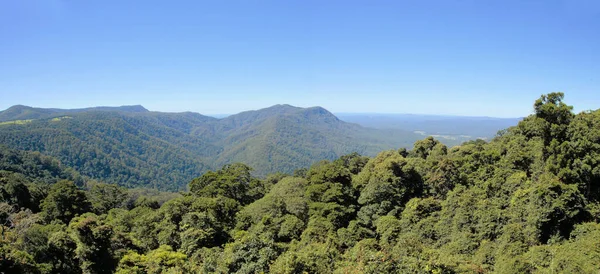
<point x="280" y="108"/>
<point x="18" y="108"/>
<point x="319" y="113"/>
<point x="20" y="112"/>
<point x="318" y="110"/>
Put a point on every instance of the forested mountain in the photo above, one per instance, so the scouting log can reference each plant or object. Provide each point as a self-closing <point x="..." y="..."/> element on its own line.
<point x="528" y="201"/>
<point x="20" y="112"/>
<point x="283" y="138"/>
<point x="116" y="147"/>
<point x="132" y="147"/>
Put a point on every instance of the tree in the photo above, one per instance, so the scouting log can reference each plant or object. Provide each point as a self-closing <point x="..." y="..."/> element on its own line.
<point x="64" y="201"/>
<point x="94" y="244"/>
<point x="386" y="183"/>
<point x="551" y="108"/>
<point x="423" y="148"/>
<point x="232" y="181"/>
<point x="160" y="260"/>
<point x="14" y="191"/>
<point x="104" y="197"/>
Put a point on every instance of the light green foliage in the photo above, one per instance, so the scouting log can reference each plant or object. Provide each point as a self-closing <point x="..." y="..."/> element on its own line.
<point x="58" y="119"/>
<point x="16" y="122"/>
<point x="551" y="108"/>
<point x="386" y="183"/>
<point x="444" y="176"/>
<point x="428" y="146"/>
<point x="160" y="260"/>
<point x="232" y="181"/>
<point x="16" y="261"/>
<point x="330" y="192"/>
<point x="285" y="197"/>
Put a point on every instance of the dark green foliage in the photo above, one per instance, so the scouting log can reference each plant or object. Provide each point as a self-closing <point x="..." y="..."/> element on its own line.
<point x="35" y="167"/>
<point x="16" y="261"/>
<point x="14" y="191"/>
<point x="129" y="149"/>
<point x="64" y="201"/>
<point x="104" y="197"/>
<point x="525" y="202"/>
<point x="94" y="241"/>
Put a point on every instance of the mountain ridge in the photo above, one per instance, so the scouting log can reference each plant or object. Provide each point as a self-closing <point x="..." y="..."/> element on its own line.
<point x="23" y="112"/>
<point x="133" y="147"/>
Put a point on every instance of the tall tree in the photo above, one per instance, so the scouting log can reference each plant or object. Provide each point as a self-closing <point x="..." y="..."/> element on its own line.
<point x="64" y="201"/>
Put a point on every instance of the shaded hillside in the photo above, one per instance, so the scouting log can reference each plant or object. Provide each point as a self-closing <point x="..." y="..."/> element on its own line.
<point x="129" y="150"/>
<point x="35" y="167"/>
<point x="132" y="147"/>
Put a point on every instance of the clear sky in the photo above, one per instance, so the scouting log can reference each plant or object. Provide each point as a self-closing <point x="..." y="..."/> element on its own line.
<point x="484" y="58"/>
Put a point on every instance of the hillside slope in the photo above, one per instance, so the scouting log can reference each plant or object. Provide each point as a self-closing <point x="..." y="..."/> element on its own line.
<point x="133" y="147"/>
<point x="34" y="167"/>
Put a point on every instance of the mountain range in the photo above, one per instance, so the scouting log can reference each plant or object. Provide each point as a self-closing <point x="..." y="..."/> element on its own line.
<point x="133" y="146"/>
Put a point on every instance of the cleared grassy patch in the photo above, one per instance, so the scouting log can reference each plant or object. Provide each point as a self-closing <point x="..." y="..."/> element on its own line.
<point x="16" y="122"/>
<point x="60" y="118"/>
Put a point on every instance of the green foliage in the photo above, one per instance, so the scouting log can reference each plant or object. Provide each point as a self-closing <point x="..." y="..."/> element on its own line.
<point x="160" y="260"/>
<point x="64" y="201"/>
<point x="16" y="261"/>
<point x="548" y="208"/>
<point x="94" y="244"/>
<point x="386" y="183"/>
<point x="35" y="167"/>
<point x="133" y="147"/>
<point x="14" y="191"/>
<point x="551" y="108"/>
<point x="232" y="181"/>
<point x="525" y="202"/>
<point x="250" y="253"/>
<point x="104" y="197"/>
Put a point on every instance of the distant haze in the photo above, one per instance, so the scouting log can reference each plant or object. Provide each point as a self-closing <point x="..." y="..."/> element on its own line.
<point x="440" y="126"/>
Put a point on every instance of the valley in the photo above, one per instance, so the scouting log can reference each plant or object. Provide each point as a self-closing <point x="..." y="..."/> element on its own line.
<point x="134" y="147"/>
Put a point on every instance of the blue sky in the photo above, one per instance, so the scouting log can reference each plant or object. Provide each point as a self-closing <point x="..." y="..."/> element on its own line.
<point x="484" y="58"/>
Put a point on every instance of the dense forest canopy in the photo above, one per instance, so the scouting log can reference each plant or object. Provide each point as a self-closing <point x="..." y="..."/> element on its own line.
<point x="134" y="147"/>
<point x="528" y="201"/>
